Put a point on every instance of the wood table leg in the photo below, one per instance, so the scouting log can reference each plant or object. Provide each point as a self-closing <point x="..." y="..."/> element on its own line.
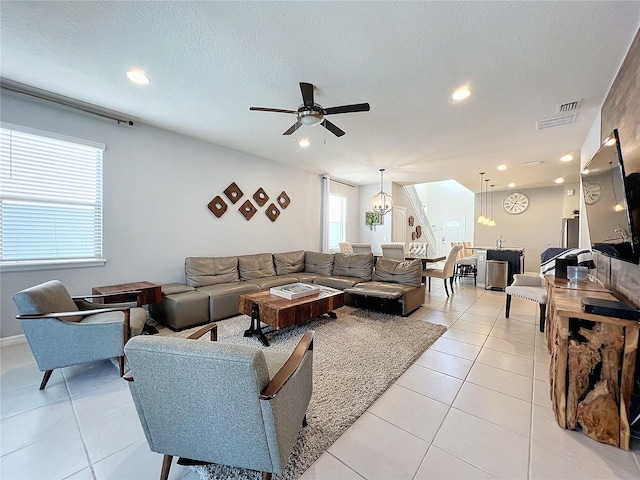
<point x="560" y="397"/>
<point x="626" y="383"/>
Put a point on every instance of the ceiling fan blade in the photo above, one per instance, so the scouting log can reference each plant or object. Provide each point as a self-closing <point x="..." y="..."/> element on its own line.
<point x="358" y="107"/>
<point x="293" y="128"/>
<point x="277" y="110"/>
<point x="332" y="128"/>
<point x="307" y="94"/>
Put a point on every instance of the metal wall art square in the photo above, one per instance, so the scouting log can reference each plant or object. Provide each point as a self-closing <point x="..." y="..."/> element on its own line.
<point x="248" y="210"/>
<point x="217" y="206"/>
<point x="284" y="200"/>
<point x="233" y="192"/>
<point x="260" y="197"/>
<point x="272" y="212"/>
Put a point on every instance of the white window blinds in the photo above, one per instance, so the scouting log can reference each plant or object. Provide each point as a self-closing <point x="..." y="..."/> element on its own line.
<point x="50" y="199"/>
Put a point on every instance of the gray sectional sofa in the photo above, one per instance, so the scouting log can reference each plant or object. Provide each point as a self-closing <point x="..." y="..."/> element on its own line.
<point x="213" y="284"/>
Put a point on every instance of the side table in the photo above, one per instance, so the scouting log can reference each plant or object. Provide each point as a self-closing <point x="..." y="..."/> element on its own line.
<point x="149" y="292"/>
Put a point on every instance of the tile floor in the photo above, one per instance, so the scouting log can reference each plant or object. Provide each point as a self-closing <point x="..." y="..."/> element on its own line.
<point x="475" y="405"/>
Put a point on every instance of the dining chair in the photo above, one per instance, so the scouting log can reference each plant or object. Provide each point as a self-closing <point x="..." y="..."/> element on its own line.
<point x="394" y="251"/>
<point x="446" y="272"/>
<point x="361" y="247"/>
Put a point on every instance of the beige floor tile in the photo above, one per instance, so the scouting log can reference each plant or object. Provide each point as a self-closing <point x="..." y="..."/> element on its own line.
<point x="459" y="349"/>
<point x="506" y="361"/>
<point x="42" y="443"/>
<point x="516" y="336"/>
<point x="515" y="325"/>
<point x="108" y="419"/>
<point x="471" y="316"/>
<point x="411" y="411"/>
<point x="435" y="385"/>
<point x="474" y="327"/>
<point x="18" y="397"/>
<point x="499" y="380"/>
<point x="509" y="346"/>
<point x="137" y="461"/>
<point x="328" y="467"/>
<point x="375" y="449"/>
<point x="440" y="465"/>
<point x="489" y="447"/>
<point x="438" y="320"/>
<point x="84" y="474"/>
<point x="445" y="363"/>
<point x="541" y="395"/>
<point x="465" y="336"/>
<point x="504" y="410"/>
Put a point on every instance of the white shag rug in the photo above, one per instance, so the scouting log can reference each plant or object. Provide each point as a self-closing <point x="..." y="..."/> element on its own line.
<point x="355" y="359"/>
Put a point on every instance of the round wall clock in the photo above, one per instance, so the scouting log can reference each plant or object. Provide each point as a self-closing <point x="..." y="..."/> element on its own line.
<point x="515" y="203"/>
<point x="591" y="192"/>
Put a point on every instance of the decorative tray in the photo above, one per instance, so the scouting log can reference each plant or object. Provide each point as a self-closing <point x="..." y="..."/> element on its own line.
<point x="295" y="290"/>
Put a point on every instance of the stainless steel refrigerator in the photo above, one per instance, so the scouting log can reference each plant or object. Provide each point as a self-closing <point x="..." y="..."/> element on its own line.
<point x="570" y="232"/>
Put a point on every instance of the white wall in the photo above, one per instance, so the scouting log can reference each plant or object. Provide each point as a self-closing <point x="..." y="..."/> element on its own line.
<point x="447" y="200"/>
<point x="156" y="188"/>
<point x="536" y="229"/>
<point x="589" y="148"/>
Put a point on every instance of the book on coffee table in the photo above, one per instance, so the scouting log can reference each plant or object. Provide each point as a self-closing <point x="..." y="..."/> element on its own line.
<point x="295" y="290"/>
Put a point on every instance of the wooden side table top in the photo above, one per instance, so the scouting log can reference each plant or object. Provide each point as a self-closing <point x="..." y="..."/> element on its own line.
<point x="582" y="285"/>
<point x="149" y="292"/>
<point x="279" y="312"/>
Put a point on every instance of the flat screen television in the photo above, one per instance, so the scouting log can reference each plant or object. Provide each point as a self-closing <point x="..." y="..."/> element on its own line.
<point x="612" y="203"/>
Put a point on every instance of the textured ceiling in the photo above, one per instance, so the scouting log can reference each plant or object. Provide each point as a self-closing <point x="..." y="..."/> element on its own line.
<point x="210" y="61"/>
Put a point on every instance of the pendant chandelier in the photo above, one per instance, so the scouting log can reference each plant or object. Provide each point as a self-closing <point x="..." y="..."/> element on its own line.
<point x="486" y="202"/>
<point x="481" y="217"/>
<point x="492" y="222"/>
<point x="382" y="202"/>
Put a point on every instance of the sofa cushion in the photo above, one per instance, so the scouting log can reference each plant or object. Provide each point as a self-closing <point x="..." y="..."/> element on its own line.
<point x="201" y="271"/>
<point x="290" y="262"/>
<point x="265" y="283"/>
<point x="316" y="262"/>
<point x="173" y="288"/>
<point x="256" y="266"/>
<point x="337" y="282"/>
<point x="380" y="289"/>
<point x="393" y="271"/>
<point x="359" y="265"/>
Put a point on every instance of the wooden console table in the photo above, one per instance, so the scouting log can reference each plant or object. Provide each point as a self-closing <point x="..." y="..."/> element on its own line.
<point x="593" y="361"/>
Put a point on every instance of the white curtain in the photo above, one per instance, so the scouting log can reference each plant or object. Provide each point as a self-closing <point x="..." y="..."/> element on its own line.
<point x="324" y="213"/>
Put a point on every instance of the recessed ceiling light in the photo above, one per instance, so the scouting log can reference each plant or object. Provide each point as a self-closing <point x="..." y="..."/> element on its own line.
<point x="502" y="167"/>
<point x="461" y="93"/>
<point x="566" y="158"/>
<point x="511" y="185"/>
<point x="138" y="76"/>
<point x="304" y="142"/>
<point x="559" y="180"/>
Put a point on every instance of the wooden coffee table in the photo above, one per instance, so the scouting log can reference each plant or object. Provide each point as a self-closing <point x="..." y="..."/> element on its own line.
<point x="278" y="312"/>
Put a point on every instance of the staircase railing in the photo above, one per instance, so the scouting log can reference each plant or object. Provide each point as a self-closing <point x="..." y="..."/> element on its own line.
<point x="421" y="219"/>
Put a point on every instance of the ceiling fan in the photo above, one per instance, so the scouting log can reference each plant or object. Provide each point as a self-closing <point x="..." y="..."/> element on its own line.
<point x="311" y="113"/>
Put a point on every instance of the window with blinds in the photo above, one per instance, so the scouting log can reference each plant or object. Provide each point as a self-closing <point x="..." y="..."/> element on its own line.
<point x="50" y="198"/>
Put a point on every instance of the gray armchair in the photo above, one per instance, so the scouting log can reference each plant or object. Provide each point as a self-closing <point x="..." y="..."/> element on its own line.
<point x="62" y="330"/>
<point x="211" y="402"/>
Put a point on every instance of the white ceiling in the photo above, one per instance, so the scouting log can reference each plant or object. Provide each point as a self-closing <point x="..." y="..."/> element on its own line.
<point x="210" y="61"/>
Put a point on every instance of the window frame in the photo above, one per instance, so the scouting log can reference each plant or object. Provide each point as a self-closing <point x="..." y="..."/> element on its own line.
<point x="342" y="223"/>
<point x="61" y="263"/>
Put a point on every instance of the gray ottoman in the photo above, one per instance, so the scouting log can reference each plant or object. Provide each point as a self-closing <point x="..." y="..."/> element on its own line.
<point x="181" y="307"/>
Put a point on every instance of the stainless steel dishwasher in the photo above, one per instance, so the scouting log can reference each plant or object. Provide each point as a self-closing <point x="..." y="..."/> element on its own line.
<point x="497" y="275"/>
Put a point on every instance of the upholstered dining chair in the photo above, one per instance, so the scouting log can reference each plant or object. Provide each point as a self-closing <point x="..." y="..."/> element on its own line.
<point x="394" y="251"/>
<point x="467" y="263"/>
<point x="446" y="272"/>
<point x="361" y="247"/>
<point x="211" y="402"/>
<point x="62" y="330"/>
<point x="418" y="249"/>
<point x="345" y="247"/>
<point x="530" y="287"/>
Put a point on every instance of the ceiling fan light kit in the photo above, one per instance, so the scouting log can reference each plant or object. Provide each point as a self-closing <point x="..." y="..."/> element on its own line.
<point x="311" y="113"/>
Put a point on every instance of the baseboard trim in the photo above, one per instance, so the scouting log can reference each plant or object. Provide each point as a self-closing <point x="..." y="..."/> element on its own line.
<point x="14" y="340"/>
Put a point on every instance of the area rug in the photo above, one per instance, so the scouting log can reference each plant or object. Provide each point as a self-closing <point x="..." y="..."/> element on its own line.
<point x="355" y="359"/>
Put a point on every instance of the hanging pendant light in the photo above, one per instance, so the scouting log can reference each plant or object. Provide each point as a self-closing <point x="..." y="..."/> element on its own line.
<point x="486" y="190"/>
<point x="382" y="202"/>
<point x="481" y="217"/>
<point x="492" y="222"/>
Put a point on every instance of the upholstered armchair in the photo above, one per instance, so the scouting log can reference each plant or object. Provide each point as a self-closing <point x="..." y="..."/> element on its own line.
<point x="211" y="402"/>
<point x="466" y="263"/>
<point x="62" y="330"/>
<point x="394" y="251"/>
<point x="446" y="272"/>
<point x="530" y="287"/>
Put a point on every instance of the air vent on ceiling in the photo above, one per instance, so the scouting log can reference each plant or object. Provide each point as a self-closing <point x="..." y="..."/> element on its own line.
<point x="555" y="121"/>
<point x="568" y="107"/>
<point x="533" y="163"/>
